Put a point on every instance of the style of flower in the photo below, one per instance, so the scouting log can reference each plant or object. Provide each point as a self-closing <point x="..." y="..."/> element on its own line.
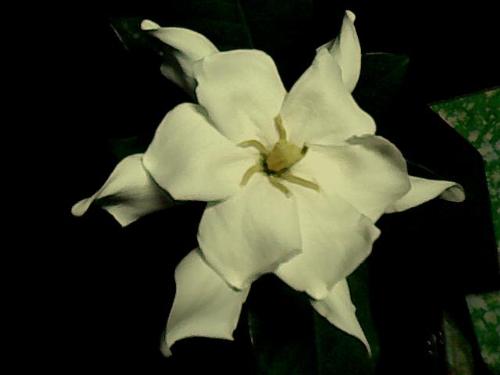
<point x="294" y="180"/>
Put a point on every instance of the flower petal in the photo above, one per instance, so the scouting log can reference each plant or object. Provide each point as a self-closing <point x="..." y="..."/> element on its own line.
<point x="346" y="51"/>
<point x="242" y="92"/>
<point x="368" y="172"/>
<point x="250" y="233"/>
<point x="204" y="305"/>
<point x="423" y="190"/>
<point x="191" y="160"/>
<point x="335" y="238"/>
<point x="338" y="308"/>
<point x="188" y="46"/>
<point x="319" y="109"/>
<point x="128" y="194"/>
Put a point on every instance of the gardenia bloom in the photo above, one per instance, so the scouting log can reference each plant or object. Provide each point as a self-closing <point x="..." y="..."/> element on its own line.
<point x="294" y="180"/>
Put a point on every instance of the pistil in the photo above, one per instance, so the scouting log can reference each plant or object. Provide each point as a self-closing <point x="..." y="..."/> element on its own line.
<point x="277" y="162"/>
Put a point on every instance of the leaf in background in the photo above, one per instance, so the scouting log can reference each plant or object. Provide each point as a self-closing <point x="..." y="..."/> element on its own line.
<point x="281" y="329"/>
<point x="128" y="31"/>
<point x="221" y="21"/>
<point x="122" y="147"/>
<point x="382" y="79"/>
<point x="290" y="338"/>
<point x="289" y="31"/>
<point x="340" y="353"/>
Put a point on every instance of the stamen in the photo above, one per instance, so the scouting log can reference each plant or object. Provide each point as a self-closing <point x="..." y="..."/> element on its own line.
<point x="275" y="182"/>
<point x="250" y="172"/>
<point x="300" y="181"/>
<point x="278" y="121"/>
<point x="276" y="162"/>
<point x="254" y="143"/>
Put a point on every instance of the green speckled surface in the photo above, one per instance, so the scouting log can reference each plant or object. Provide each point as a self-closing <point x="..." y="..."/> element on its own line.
<point x="485" y="311"/>
<point x="477" y="118"/>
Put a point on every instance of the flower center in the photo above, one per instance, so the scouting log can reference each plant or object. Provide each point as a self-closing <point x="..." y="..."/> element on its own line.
<point x="276" y="163"/>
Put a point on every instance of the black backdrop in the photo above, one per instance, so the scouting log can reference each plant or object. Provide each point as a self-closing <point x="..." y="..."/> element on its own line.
<point x="108" y="291"/>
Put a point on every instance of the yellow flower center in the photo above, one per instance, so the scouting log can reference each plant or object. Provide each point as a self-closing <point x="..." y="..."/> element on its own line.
<point x="276" y="163"/>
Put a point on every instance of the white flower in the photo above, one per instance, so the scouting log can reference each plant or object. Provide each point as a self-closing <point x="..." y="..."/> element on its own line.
<point x="294" y="181"/>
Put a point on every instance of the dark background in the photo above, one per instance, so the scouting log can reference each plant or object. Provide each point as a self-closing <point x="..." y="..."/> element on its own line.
<point x="108" y="291"/>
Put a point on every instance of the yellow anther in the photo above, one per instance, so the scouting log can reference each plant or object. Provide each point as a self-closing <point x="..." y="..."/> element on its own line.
<point x="278" y="122"/>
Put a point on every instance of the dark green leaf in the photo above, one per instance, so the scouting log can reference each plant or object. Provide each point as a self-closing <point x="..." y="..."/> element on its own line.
<point x="222" y="21"/>
<point x="382" y="79"/>
<point x="281" y="328"/>
<point x="123" y="147"/>
<point x="340" y="353"/>
<point x="290" y="338"/>
<point x="289" y="31"/>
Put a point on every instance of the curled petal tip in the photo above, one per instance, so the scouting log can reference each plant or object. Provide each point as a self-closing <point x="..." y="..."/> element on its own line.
<point x="351" y="15"/>
<point x="165" y="350"/>
<point x="81" y="207"/>
<point x="423" y="190"/>
<point x="148" y="25"/>
<point x="455" y="193"/>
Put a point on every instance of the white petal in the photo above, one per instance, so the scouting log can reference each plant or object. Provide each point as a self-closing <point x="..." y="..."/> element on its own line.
<point x="346" y="51"/>
<point x="242" y="92"/>
<point x="188" y="46"/>
<point x="191" y="160"/>
<point x="204" y="305"/>
<point x="368" y="172"/>
<point x="335" y="238"/>
<point x="148" y="25"/>
<point x="423" y="190"/>
<point x="128" y="194"/>
<point x="338" y="308"/>
<point x="319" y="109"/>
<point x="250" y="233"/>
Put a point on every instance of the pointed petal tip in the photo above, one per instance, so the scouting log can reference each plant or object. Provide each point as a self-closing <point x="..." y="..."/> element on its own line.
<point x="81" y="207"/>
<point x="165" y="349"/>
<point x="121" y="217"/>
<point x="148" y="25"/>
<point x="454" y="193"/>
<point x="367" y="346"/>
<point x="128" y="194"/>
<point x="204" y="305"/>
<point x="339" y="310"/>
<point x="357" y="333"/>
<point x="350" y="14"/>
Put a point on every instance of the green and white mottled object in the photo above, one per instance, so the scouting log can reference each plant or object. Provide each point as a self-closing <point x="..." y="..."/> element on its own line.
<point x="477" y="118"/>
